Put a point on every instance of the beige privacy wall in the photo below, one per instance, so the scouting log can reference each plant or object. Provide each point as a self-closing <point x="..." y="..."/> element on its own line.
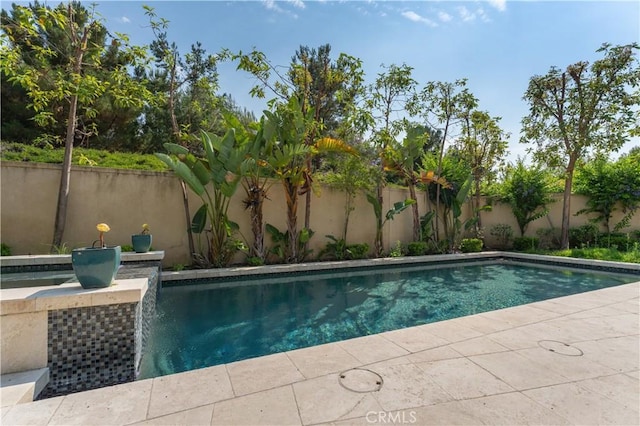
<point x="126" y="199"/>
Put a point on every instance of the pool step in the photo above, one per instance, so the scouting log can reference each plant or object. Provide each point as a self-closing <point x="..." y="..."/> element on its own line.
<point x="18" y="388"/>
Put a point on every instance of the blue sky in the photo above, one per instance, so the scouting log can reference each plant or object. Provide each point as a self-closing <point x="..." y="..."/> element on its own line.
<point x="497" y="45"/>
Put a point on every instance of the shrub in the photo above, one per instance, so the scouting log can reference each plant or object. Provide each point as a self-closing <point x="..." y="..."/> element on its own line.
<point x="358" y="251"/>
<point x="126" y="248"/>
<point x="525" y="243"/>
<point x="584" y="235"/>
<point x="5" y="250"/>
<point x="397" y="250"/>
<point x="504" y="235"/>
<point x="336" y="249"/>
<point x="471" y="245"/>
<point x="549" y="238"/>
<point x="622" y="242"/>
<point x="255" y="261"/>
<point x="417" y="248"/>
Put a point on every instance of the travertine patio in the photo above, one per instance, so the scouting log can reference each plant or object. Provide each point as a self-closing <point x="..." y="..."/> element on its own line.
<point x="571" y="360"/>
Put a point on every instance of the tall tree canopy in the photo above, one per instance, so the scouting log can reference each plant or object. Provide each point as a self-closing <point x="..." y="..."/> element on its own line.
<point x="55" y="55"/>
<point x="583" y="109"/>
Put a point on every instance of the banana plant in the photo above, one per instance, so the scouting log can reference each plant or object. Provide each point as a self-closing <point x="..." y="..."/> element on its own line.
<point x="214" y="179"/>
<point x="398" y="207"/>
<point x="256" y="177"/>
<point x="286" y="129"/>
<point x="401" y="159"/>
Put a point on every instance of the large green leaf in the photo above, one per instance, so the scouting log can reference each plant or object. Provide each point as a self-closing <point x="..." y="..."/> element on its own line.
<point x="184" y="172"/>
<point x="199" y="220"/>
<point x="377" y="208"/>
<point x="399" y="207"/>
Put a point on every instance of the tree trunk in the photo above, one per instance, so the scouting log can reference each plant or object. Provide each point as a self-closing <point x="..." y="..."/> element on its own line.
<point x="416" y="214"/>
<point x="566" y="205"/>
<point x="291" y="194"/>
<point x="176" y="133"/>
<point x="187" y="213"/>
<point x="477" y="207"/>
<point x="347" y="213"/>
<point x="65" y="178"/>
<point x="379" y="246"/>
<point x="439" y="173"/>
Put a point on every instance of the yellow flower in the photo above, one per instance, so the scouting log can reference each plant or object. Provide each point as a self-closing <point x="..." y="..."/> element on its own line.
<point x="103" y="227"/>
<point x="145" y="228"/>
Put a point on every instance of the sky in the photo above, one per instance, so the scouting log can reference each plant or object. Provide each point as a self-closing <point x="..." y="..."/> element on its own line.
<point x="498" y="45"/>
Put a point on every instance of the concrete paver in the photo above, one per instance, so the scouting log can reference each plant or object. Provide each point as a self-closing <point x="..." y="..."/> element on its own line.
<point x="492" y="368"/>
<point x="258" y="374"/>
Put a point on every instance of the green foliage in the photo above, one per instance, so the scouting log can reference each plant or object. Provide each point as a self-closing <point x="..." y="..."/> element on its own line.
<point x="548" y="238"/>
<point x="583" y="236"/>
<point x="527" y="191"/>
<point x="126" y="248"/>
<point x="397" y="208"/>
<point x="471" y="245"/>
<point x="351" y="175"/>
<point x="5" y="250"/>
<point x="589" y="107"/>
<point x="214" y="179"/>
<point x="338" y="249"/>
<point x="622" y="242"/>
<point x="358" y="251"/>
<point x="255" y="261"/>
<point x="10" y="151"/>
<point x="397" y="250"/>
<point x="525" y="243"/>
<point x="503" y="234"/>
<point x="632" y="256"/>
<point x="609" y="186"/>
<point x="282" y="241"/>
<point x="417" y="248"/>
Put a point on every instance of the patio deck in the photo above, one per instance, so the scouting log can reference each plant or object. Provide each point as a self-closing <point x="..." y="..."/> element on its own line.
<point x="571" y="360"/>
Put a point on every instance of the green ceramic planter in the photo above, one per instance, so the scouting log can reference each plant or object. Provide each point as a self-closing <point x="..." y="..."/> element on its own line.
<point x="96" y="267"/>
<point x="141" y="242"/>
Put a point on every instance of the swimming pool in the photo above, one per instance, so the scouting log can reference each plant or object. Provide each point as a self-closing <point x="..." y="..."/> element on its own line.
<point x="35" y="279"/>
<point x="208" y="324"/>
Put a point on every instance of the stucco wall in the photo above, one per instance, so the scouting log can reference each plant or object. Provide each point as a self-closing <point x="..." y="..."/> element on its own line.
<point x="126" y="199"/>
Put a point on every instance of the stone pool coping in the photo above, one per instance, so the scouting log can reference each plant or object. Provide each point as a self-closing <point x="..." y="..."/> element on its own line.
<point x="70" y="295"/>
<point x="202" y="274"/>
<point x="487" y="368"/>
<point x="65" y="259"/>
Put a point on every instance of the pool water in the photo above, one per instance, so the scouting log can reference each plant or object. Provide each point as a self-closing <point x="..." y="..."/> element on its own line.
<point x="35" y="279"/>
<point x="199" y="326"/>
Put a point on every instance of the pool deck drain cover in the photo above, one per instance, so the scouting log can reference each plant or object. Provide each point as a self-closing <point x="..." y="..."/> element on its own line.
<point x="560" y="348"/>
<point x="360" y="380"/>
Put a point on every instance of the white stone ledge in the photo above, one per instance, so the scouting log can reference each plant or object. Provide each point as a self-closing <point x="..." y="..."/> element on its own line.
<point x="19" y="388"/>
<point x="63" y="259"/>
<point x="197" y="274"/>
<point x="70" y="295"/>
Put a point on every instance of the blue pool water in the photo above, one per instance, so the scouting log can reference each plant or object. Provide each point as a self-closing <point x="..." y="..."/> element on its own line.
<point x="198" y="326"/>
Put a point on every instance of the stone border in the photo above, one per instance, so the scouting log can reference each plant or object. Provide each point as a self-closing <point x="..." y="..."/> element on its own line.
<point x="247" y="272"/>
<point x="43" y="262"/>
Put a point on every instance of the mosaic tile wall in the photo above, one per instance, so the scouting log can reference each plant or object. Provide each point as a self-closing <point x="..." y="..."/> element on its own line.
<point x="97" y="346"/>
<point x="90" y="347"/>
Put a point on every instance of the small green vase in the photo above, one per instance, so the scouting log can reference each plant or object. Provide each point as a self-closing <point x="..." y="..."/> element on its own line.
<point x="141" y="242"/>
<point x="95" y="267"/>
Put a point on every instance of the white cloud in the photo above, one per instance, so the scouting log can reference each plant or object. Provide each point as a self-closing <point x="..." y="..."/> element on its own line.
<point x="501" y="5"/>
<point x="483" y="15"/>
<point x="412" y="16"/>
<point x="444" y="16"/>
<point x="273" y="5"/>
<point x="125" y="20"/>
<point x="297" y="3"/>
<point x="465" y="14"/>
